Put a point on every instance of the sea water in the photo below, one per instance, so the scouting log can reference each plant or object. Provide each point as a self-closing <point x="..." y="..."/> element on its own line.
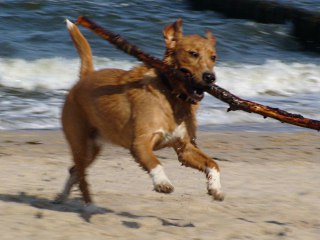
<point x="258" y="62"/>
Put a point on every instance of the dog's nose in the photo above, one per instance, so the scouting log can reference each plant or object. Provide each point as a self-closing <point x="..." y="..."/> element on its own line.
<point x="209" y="77"/>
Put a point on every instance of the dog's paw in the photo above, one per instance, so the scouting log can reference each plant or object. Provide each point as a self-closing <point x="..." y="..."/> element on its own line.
<point x="217" y="195"/>
<point x="160" y="180"/>
<point x="164" y="187"/>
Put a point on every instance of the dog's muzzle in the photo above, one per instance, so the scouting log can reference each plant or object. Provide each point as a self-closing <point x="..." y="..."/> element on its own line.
<point x="209" y="77"/>
<point x="195" y="90"/>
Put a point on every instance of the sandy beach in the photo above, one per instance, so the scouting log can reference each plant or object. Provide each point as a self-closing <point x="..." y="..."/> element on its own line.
<point x="271" y="181"/>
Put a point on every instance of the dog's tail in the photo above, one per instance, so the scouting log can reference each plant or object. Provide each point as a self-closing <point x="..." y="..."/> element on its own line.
<point x="83" y="48"/>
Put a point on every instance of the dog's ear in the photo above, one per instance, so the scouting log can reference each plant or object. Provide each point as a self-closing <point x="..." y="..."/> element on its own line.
<point x="173" y="33"/>
<point x="211" y="38"/>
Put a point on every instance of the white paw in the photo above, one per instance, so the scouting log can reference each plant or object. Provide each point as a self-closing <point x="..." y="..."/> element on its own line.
<point x="160" y="180"/>
<point x="214" y="185"/>
<point x="217" y="195"/>
<point x="164" y="187"/>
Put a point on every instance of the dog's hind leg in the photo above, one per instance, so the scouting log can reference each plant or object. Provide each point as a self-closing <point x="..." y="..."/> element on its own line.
<point x="84" y="147"/>
<point x="93" y="150"/>
<point x="142" y="151"/>
<point x="191" y="156"/>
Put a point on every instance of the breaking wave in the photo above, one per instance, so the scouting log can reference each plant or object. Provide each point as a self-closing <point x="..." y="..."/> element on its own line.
<point x="32" y="92"/>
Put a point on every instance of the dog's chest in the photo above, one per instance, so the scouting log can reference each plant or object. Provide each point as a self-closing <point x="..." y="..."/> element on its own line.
<point x="169" y="137"/>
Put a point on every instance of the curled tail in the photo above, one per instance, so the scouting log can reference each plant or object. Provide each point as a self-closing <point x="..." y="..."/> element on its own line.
<point x="83" y="48"/>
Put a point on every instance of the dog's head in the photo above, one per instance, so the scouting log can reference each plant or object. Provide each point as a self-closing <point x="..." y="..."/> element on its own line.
<point x="194" y="56"/>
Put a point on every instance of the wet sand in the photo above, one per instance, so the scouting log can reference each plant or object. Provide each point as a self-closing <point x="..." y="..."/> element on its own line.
<point x="271" y="181"/>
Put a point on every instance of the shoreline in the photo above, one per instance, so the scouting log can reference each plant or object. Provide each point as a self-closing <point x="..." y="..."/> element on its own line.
<point x="271" y="181"/>
<point x="267" y="126"/>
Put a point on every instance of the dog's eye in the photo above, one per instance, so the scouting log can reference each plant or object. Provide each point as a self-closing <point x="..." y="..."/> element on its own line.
<point x="193" y="54"/>
<point x="213" y="58"/>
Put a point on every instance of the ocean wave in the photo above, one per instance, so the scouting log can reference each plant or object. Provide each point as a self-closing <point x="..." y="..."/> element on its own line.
<point x="273" y="78"/>
<point x="48" y="74"/>
<point x="32" y="92"/>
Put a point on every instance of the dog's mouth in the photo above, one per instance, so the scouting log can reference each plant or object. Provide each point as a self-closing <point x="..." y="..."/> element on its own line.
<point x="197" y="95"/>
<point x="194" y="91"/>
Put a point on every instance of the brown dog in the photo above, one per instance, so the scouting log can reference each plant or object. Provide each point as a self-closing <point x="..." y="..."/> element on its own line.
<point x="140" y="110"/>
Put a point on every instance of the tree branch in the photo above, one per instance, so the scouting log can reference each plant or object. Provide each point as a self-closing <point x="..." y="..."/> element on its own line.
<point x="235" y="103"/>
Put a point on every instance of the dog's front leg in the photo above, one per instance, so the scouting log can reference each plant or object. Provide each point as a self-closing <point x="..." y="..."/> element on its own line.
<point x="141" y="150"/>
<point x="191" y="156"/>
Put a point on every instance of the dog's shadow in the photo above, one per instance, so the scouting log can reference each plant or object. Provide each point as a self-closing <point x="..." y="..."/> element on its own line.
<point x="76" y="206"/>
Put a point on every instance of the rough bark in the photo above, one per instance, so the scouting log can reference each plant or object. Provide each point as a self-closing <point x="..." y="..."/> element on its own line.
<point x="237" y="103"/>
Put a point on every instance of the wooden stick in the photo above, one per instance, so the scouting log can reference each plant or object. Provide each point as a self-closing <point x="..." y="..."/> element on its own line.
<point x="237" y="103"/>
<point x="174" y="76"/>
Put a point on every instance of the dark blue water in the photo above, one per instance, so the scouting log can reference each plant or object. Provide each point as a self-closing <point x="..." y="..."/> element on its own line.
<point x="35" y="29"/>
<point x="38" y="62"/>
<point x="309" y="5"/>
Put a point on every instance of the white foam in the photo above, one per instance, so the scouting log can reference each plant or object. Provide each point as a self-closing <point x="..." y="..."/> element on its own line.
<point x="272" y="78"/>
<point x="293" y="87"/>
<point x="51" y="73"/>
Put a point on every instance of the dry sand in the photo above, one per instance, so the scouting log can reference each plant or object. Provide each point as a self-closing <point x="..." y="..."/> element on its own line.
<point x="272" y="182"/>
